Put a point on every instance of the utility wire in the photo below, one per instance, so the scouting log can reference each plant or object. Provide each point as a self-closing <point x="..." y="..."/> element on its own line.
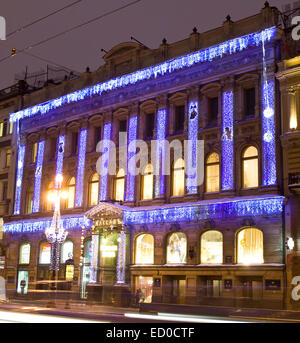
<point x="43" y="18"/>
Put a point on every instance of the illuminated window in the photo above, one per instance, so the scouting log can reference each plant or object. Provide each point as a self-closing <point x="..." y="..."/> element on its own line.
<point x="250" y="246"/>
<point x="212" y="247"/>
<point x="176" y="248"/>
<point x="24" y="256"/>
<point x="144" y="249"/>
<point x="250" y="167"/>
<point x="50" y="190"/>
<point x="1" y="129"/>
<point x="66" y="251"/>
<point x="145" y="284"/>
<point x="147" y="182"/>
<point x="94" y="189"/>
<point x="120" y="185"/>
<point x="29" y="200"/>
<point x="178" y="178"/>
<point x="71" y="193"/>
<point x="11" y="126"/>
<point x="213" y="173"/>
<point x="8" y="156"/>
<point x="34" y="152"/>
<point x="87" y="252"/>
<point x="45" y="253"/>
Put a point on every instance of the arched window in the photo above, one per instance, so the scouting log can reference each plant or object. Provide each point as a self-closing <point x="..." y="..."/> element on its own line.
<point x="24" y="253"/>
<point x="176" y="248"/>
<point x="144" y="249"/>
<point x="71" y="193"/>
<point x="67" y="251"/>
<point x="147" y="182"/>
<point x="50" y="190"/>
<point x="94" y="189"/>
<point x="120" y="185"/>
<point x="178" y="185"/>
<point x="212" y="173"/>
<point x="29" y="200"/>
<point x="45" y="253"/>
<point x="250" y="246"/>
<point x="250" y="167"/>
<point x="212" y="247"/>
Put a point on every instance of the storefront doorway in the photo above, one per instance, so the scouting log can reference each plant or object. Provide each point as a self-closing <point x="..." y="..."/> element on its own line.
<point x="22" y="287"/>
<point x="145" y="284"/>
<point x="179" y="290"/>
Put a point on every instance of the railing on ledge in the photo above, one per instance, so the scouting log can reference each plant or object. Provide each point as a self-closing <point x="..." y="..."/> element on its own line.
<point x="294" y="180"/>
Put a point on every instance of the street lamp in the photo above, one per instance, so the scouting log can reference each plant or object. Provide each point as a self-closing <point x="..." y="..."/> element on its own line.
<point x="56" y="234"/>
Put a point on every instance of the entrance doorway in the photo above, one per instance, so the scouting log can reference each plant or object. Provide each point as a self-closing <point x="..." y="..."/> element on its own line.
<point x="145" y="283"/>
<point x="22" y="282"/>
<point x="179" y="290"/>
<point x="252" y="288"/>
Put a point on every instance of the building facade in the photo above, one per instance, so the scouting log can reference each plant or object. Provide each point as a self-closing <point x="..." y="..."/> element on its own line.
<point x="220" y="242"/>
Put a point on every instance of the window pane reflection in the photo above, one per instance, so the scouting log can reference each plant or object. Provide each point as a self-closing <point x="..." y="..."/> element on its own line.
<point x="212" y="247"/>
<point x="176" y="249"/>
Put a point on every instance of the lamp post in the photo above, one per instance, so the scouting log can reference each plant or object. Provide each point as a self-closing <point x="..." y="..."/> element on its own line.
<point x="56" y="234"/>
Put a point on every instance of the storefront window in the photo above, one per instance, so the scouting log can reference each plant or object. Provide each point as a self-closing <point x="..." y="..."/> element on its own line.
<point x="24" y="257"/>
<point x="212" y="247"/>
<point x="144" y="249"/>
<point x="45" y="253"/>
<point x="145" y="283"/>
<point x="67" y="251"/>
<point x="250" y="246"/>
<point x="176" y="249"/>
<point x="22" y="287"/>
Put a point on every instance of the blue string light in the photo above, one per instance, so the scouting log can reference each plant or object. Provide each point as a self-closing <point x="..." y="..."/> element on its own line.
<point x="59" y="157"/>
<point x="161" y="122"/>
<point x="20" y="167"/>
<point x="104" y="166"/>
<point x="80" y="168"/>
<point x="209" y="54"/>
<point x="38" y="177"/>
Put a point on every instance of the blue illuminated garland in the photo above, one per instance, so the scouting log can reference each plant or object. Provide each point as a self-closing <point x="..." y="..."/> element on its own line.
<point x="60" y="156"/>
<point x="209" y="54"/>
<point x="106" y="148"/>
<point x="20" y="167"/>
<point x="38" y="177"/>
<point x="80" y="168"/>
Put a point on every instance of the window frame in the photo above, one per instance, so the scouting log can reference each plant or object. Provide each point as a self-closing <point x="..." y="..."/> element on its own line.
<point x="243" y="159"/>
<point x="208" y="164"/>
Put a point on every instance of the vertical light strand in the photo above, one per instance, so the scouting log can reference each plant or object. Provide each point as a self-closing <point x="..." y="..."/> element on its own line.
<point x="227" y="142"/>
<point x="106" y="149"/>
<point x="20" y="166"/>
<point x="38" y="177"/>
<point x="94" y="258"/>
<point x="80" y="168"/>
<point x="121" y="259"/>
<point x="130" y="178"/>
<point x="160" y="151"/>
<point x="191" y="162"/>
<point x="60" y="157"/>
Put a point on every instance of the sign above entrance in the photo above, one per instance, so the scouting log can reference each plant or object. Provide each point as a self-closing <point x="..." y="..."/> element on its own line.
<point x="109" y="250"/>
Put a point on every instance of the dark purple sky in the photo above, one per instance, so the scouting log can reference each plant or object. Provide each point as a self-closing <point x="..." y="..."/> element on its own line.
<point x="149" y="21"/>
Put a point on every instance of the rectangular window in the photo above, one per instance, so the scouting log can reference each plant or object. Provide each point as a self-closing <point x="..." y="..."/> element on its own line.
<point x="121" y="141"/>
<point x="97" y="135"/>
<point x="5" y="128"/>
<point x="1" y="129"/>
<point x="11" y="126"/>
<point x="179" y="118"/>
<point x="8" y="156"/>
<point x="4" y="191"/>
<point x="52" y="148"/>
<point x="34" y="152"/>
<point x="249" y="96"/>
<point x="123" y="126"/>
<point x="149" y="126"/>
<point x="213" y="108"/>
<point x="74" y="142"/>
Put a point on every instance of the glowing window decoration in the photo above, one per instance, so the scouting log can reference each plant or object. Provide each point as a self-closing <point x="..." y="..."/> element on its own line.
<point x="80" y="168"/>
<point x="191" y="180"/>
<point x="147" y="182"/>
<point x="178" y="178"/>
<point x="161" y="151"/>
<point x="212" y="173"/>
<point x="45" y="253"/>
<point x="67" y="251"/>
<point x="227" y="142"/>
<point x="130" y="181"/>
<point x="144" y="249"/>
<point x="94" y="189"/>
<point x="71" y="193"/>
<point x="20" y="166"/>
<point x="120" y="185"/>
<point x="106" y="148"/>
<point x="24" y="256"/>
<point x="168" y="67"/>
<point x="250" y="246"/>
<point x="212" y="247"/>
<point x="59" y="157"/>
<point x="176" y="248"/>
<point x="250" y="167"/>
<point x="38" y="177"/>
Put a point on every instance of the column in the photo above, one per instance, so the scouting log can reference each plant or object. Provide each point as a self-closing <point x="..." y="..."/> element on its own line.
<point x="19" y="179"/>
<point x="38" y="176"/>
<point x="121" y="259"/>
<point x="80" y="167"/>
<point x="95" y="258"/>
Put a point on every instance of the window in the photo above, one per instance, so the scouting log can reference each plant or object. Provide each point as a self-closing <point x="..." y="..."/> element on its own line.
<point x="87" y="252"/>
<point x="179" y="118"/>
<point x="8" y="156"/>
<point x="212" y="182"/>
<point x="98" y="133"/>
<point x="249" y="98"/>
<point x="71" y="193"/>
<point x="213" y="108"/>
<point x="144" y="284"/>
<point x="250" y="246"/>
<point x="144" y="249"/>
<point x="11" y="126"/>
<point x="29" y="200"/>
<point x="250" y="167"/>
<point x="94" y="189"/>
<point x="34" y="152"/>
<point x="149" y="125"/>
<point x="176" y="248"/>
<point x="212" y="247"/>
<point x="123" y="125"/>
<point x="50" y="190"/>
<point x="45" y="253"/>
<point x="4" y="190"/>
<point x="74" y="142"/>
<point x="1" y="129"/>
<point x="120" y="185"/>
<point x="5" y="128"/>
<point x="147" y="182"/>
<point x="24" y="254"/>
<point x="52" y="148"/>
<point x="66" y="251"/>
<point x="178" y="178"/>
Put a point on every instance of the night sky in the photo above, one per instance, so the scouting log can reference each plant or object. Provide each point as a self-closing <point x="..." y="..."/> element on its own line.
<point x="149" y="21"/>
